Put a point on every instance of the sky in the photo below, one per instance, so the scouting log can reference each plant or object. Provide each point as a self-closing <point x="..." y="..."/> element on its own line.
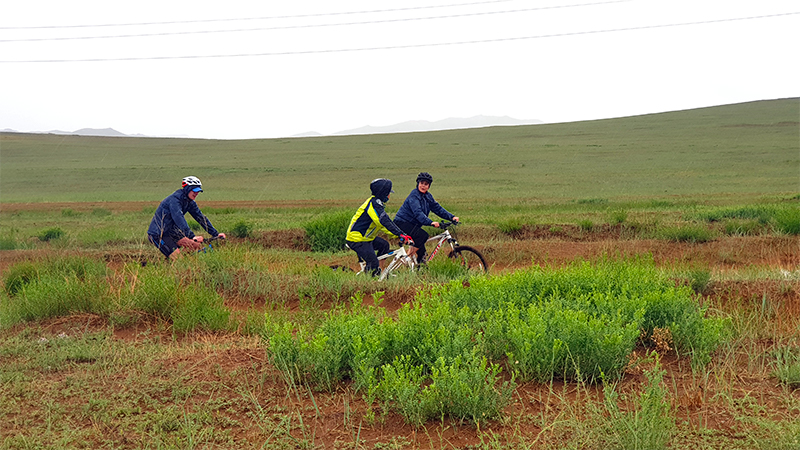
<point x="266" y="69"/>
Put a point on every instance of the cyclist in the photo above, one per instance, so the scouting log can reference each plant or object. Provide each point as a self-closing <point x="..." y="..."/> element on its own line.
<point x="413" y="214"/>
<point x="368" y="221"/>
<point x="169" y="231"/>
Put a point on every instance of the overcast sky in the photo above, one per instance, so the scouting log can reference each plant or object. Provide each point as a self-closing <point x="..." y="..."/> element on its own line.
<point x="265" y="69"/>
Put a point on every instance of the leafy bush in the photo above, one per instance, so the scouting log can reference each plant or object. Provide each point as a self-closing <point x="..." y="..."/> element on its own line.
<point x="327" y="233"/>
<point x="442" y="356"/>
<point x="51" y="234"/>
<point x="585" y="225"/>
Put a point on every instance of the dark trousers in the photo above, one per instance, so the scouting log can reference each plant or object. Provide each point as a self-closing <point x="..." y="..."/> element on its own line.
<point x="419" y="236"/>
<point x="368" y="252"/>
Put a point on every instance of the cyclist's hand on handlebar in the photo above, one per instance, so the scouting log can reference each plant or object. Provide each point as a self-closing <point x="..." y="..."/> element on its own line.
<point x="222" y="236"/>
<point x="455" y="219"/>
<point x="406" y="239"/>
<point x="198" y="239"/>
<point x="435" y="224"/>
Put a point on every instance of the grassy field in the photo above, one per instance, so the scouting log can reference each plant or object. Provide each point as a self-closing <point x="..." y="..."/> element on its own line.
<point x="644" y="292"/>
<point x="748" y="149"/>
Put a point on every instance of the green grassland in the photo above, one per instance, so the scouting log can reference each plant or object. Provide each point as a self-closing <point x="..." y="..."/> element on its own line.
<point x="748" y="149"/>
<point x="105" y="345"/>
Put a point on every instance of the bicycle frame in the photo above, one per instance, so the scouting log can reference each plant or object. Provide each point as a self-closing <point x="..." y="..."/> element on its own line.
<point x="441" y="237"/>
<point x="399" y="257"/>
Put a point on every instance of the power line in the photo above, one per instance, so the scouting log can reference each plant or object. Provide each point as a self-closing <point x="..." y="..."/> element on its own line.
<point x="289" y="27"/>
<point x="296" y="16"/>
<point x="397" y="47"/>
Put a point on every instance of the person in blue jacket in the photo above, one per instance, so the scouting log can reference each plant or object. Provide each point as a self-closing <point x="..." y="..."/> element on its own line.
<point x="169" y="231"/>
<point x="369" y="220"/>
<point x="413" y="214"/>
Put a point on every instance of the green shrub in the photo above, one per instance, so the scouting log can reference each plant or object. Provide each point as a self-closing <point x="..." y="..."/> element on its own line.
<point x="585" y="225"/>
<point x="327" y="233"/>
<point x="51" y="234"/>
<point x="67" y="212"/>
<point x="241" y="229"/>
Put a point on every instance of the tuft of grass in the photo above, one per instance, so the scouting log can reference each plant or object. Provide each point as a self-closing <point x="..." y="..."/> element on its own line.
<point x="510" y="226"/>
<point x="686" y="233"/>
<point x="650" y="425"/>
<point x="51" y="234"/>
<point x="242" y="229"/>
<point x="788" y="221"/>
<point x="787" y="366"/>
<point x="617" y="216"/>
<point x="586" y="225"/>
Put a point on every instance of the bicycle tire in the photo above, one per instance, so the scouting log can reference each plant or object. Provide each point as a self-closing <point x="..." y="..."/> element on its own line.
<point x="470" y="259"/>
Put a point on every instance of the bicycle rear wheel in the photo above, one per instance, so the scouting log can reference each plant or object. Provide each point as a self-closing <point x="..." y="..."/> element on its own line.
<point x="395" y="267"/>
<point x="470" y="259"/>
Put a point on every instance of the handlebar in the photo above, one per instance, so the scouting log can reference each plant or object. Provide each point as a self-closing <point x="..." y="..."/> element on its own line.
<point x="445" y="225"/>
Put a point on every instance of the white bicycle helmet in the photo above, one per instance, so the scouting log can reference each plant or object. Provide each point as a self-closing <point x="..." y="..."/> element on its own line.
<point x="192" y="181"/>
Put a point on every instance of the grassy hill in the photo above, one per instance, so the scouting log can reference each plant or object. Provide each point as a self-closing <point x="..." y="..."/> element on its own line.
<point x="748" y="149"/>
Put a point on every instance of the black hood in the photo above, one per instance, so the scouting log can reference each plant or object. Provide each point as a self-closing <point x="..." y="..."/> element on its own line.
<point x="381" y="188"/>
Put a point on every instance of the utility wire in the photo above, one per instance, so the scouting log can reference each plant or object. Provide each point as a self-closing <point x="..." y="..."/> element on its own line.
<point x="289" y="27"/>
<point x="362" y="49"/>
<point x="296" y="16"/>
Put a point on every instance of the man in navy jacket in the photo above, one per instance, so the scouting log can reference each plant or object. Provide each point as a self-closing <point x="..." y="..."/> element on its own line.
<point x="413" y="215"/>
<point x="169" y="231"/>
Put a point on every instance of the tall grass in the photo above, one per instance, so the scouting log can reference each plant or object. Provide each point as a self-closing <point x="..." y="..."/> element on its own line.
<point x="62" y="286"/>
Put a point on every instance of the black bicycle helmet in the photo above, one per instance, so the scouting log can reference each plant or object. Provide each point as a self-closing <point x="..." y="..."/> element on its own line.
<point x="424" y="176"/>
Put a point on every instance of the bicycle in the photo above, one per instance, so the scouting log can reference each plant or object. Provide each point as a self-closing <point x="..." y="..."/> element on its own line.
<point x="208" y="244"/>
<point x="469" y="258"/>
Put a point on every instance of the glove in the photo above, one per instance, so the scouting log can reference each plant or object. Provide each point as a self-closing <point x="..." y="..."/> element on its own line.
<point x="406" y="239"/>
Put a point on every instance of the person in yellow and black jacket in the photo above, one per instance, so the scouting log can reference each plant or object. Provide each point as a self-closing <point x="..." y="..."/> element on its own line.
<point x="369" y="220"/>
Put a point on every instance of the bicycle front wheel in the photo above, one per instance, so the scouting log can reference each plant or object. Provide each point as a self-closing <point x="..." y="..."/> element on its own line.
<point x="470" y="259"/>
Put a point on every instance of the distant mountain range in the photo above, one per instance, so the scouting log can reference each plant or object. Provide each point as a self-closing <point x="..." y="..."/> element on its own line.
<point x="107" y="132"/>
<point x="404" y="127"/>
<point x="453" y="123"/>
